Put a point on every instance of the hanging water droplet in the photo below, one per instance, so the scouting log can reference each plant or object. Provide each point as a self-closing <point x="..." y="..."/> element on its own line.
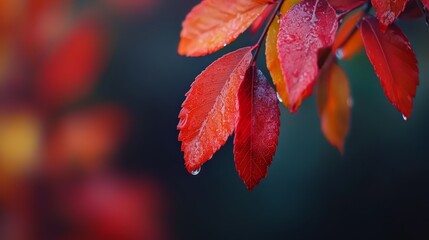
<point x="224" y="44"/>
<point x="195" y="172"/>
<point x="404" y="117"/>
<point x="279" y="98"/>
<point x="339" y="54"/>
<point x="350" y="102"/>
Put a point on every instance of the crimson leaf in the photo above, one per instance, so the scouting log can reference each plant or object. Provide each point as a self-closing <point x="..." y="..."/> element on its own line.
<point x="394" y="63"/>
<point x="257" y="130"/>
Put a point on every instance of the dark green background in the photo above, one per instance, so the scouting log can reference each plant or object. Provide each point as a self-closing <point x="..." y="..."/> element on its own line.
<point x="377" y="190"/>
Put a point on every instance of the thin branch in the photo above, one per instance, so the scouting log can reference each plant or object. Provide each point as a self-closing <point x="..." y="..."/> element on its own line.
<point x="273" y="15"/>
<point x="424" y="10"/>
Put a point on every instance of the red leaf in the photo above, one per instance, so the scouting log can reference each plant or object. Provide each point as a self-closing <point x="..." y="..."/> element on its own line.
<point x="272" y="54"/>
<point x="209" y="113"/>
<point x="257" y="131"/>
<point x="394" y="63"/>
<point x="333" y="97"/>
<point x="307" y="28"/>
<point x="72" y="68"/>
<point x="388" y="10"/>
<point x="109" y="207"/>
<point x="346" y="5"/>
<point x="44" y="24"/>
<point x="214" y="23"/>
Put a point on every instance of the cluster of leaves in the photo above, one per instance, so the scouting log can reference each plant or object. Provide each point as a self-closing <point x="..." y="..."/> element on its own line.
<point x="304" y="41"/>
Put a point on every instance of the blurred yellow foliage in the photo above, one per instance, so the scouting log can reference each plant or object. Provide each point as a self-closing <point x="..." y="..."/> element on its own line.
<point x="20" y="138"/>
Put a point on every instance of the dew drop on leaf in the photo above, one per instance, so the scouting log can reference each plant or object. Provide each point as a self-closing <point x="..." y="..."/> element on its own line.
<point x="183" y="119"/>
<point x="279" y="98"/>
<point x="289" y="38"/>
<point x="404" y="117"/>
<point x="339" y="54"/>
<point x="350" y="102"/>
<point x="195" y="172"/>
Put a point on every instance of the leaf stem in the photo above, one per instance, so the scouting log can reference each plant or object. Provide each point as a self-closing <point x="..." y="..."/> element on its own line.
<point x="332" y="55"/>
<point x="342" y="14"/>
<point x="366" y="10"/>
<point x="273" y="15"/>
<point x="424" y="10"/>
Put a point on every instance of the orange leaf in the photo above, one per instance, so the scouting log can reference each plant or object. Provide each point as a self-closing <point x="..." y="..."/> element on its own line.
<point x="213" y="24"/>
<point x="333" y="97"/>
<point x="394" y="63"/>
<point x="209" y="113"/>
<point x="6" y="58"/>
<point x="10" y="13"/>
<point x="85" y="138"/>
<point x="272" y="55"/>
<point x="353" y="43"/>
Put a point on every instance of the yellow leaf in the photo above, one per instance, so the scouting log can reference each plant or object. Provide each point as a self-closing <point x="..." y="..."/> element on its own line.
<point x="20" y="135"/>
<point x="271" y="54"/>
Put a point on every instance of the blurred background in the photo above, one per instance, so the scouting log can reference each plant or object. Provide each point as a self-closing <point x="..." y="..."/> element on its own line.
<point x="90" y="91"/>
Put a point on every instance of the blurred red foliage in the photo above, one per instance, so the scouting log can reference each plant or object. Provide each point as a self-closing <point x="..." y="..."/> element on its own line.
<point x="52" y="53"/>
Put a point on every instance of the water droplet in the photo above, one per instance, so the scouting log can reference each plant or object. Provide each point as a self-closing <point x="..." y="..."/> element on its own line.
<point x="289" y="38"/>
<point x="279" y="98"/>
<point x="404" y="117"/>
<point x="295" y="72"/>
<point x="195" y="172"/>
<point x="350" y="102"/>
<point x="339" y="54"/>
<point x="183" y="118"/>
<point x="388" y="16"/>
<point x="224" y="44"/>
